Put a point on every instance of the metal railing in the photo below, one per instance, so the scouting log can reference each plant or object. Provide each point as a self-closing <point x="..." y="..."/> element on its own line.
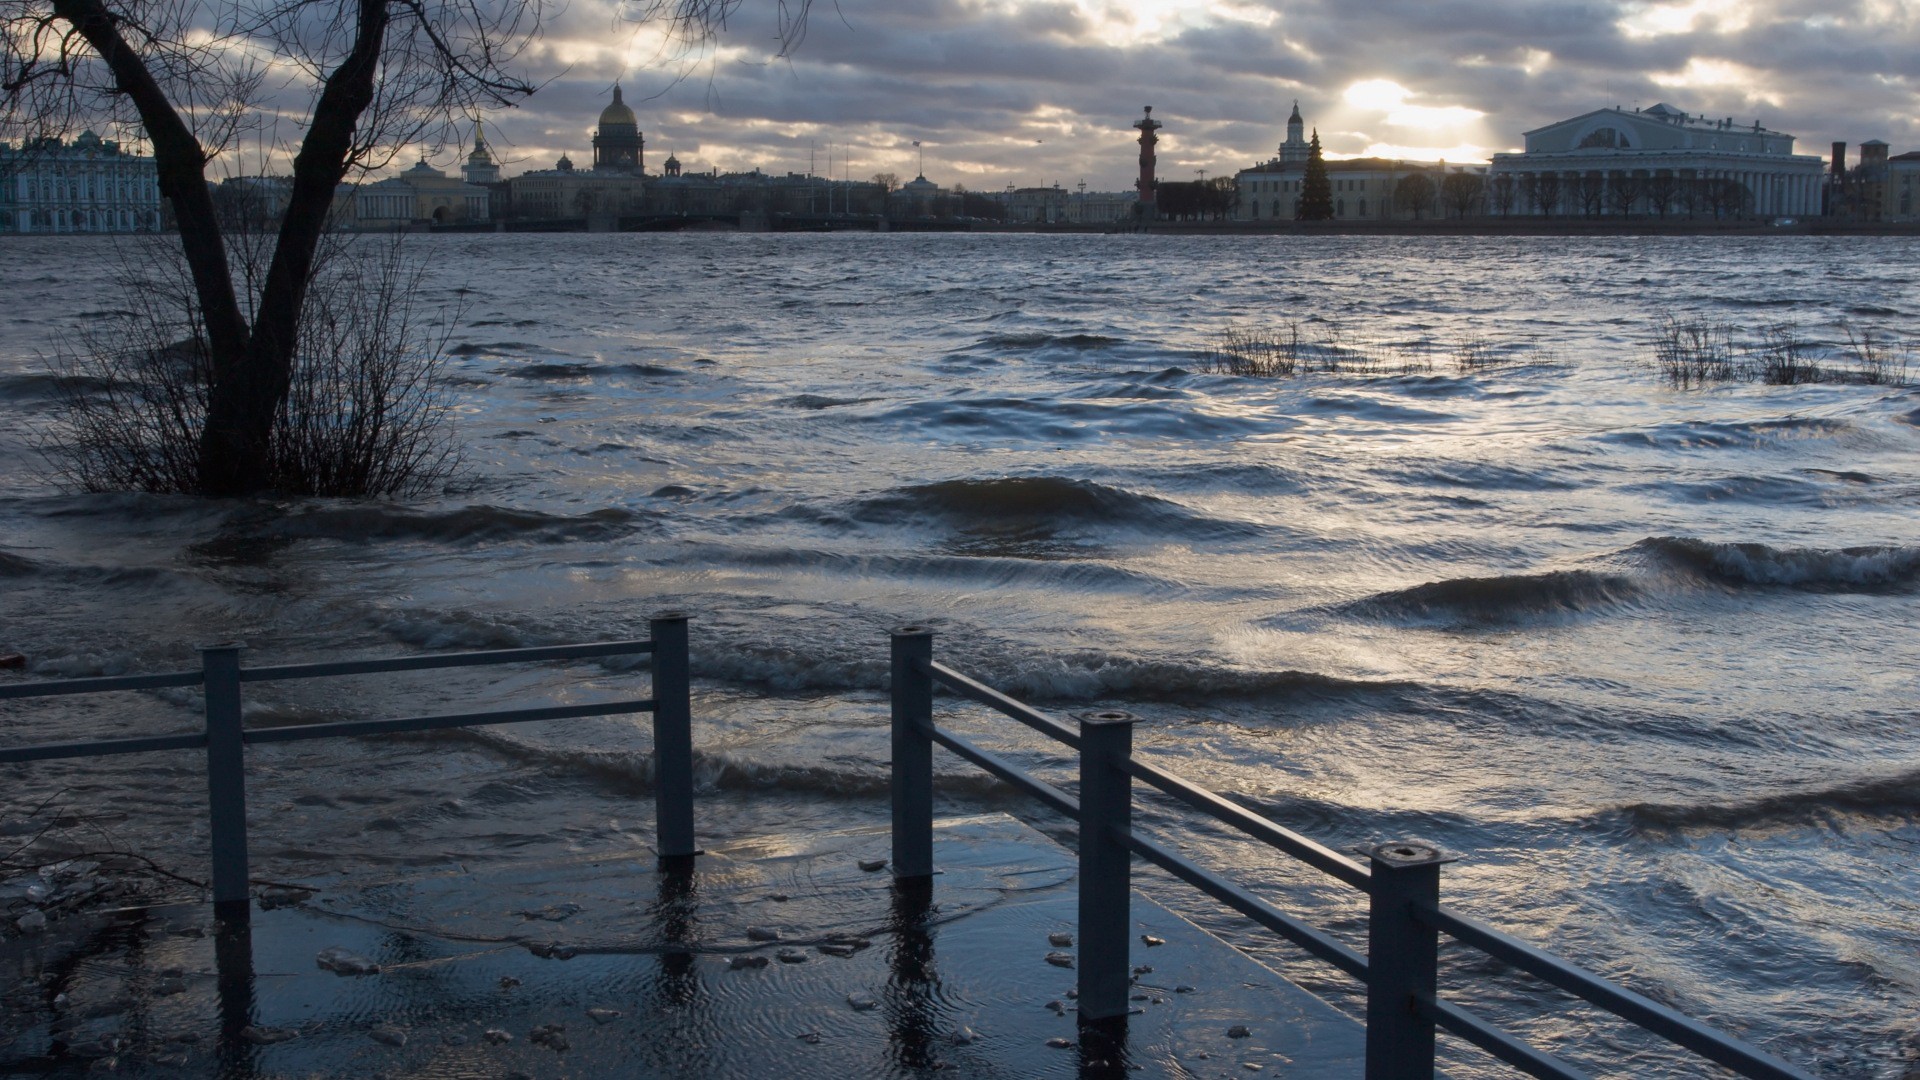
<point x="1402" y="881"/>
<point x="1405" y="917"/>
<point x="225" y="736"/>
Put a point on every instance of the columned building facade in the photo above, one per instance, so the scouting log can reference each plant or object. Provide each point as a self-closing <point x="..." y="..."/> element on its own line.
<point x="89" y="185"/>
<point x="1655" y="162"/>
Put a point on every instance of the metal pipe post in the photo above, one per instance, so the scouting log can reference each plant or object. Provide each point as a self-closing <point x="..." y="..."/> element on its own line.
<point x="912" y="774"/>
<point x="226" y="780"/>
<point x="1402" y="959"/>
<point x="672" y="737"/>
<point x="1106" y="887"/>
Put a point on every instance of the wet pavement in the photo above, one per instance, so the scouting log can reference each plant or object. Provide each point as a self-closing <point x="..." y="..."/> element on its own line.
<point x="789" y="957"/>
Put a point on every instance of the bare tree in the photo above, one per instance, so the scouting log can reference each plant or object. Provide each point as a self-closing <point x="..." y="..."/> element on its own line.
<point x="1623" y="194"/>
<point x="1541" y="191"/>
<point x="1591" y="189"/>
<point x="1662" y="190"/>
<point x="375" y="75"/>
<point x="1501" y="192"/>
<point x="1463" y="192"/>
<point x="887" y="182"/>
<point x="1414" y="192"/>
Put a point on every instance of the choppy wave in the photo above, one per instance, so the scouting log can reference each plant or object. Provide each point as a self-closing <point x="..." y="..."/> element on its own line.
<point x="725" y="771"/>
<point x="586" y="371"/>
<point x="1501" y="599"/>
<point x="1896" y="794"/>
<point x="1054" y="421"/>
<point x="1014" y="503"/>
<point x="1722" y="435"/>
<point x="1878" y="568"/>
<point x="35" y="386"/>
<point x="1058" y="679"/>
<point x="1044" y="340"/>
<point x="467" y="525"/>
<point x="16" y="566"/>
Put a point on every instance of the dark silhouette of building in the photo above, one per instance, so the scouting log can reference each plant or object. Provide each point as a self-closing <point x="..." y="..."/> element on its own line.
<point x="619" y="146"/>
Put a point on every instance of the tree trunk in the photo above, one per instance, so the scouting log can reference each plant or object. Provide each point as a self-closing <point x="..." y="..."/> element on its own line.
<point x="234" y="449"/>
<point x="180" y="163"/>
<point x="251" y="367"/>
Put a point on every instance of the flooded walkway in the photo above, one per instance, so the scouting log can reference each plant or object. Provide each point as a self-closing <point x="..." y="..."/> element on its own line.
<point x="787" y="957"/>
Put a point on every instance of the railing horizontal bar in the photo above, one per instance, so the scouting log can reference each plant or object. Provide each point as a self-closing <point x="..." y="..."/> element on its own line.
<point x="994" y="699"/>
<point x="99" y="685"/>
<point x="1682" y="1031"/>
<point x="103" y="748"/>
<point x="1315" y="942"/>
<point x="1501" y="1045"/>
<point x="301" y="732"/>
<point x="444" y="660"/>
<point x="1039" y="789"/>
<point x="1311" y="852"/>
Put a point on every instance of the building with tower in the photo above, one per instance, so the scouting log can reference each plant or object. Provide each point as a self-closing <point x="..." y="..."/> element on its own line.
<point x="618" y="146"/>
<point x="1295" y="148"/>
<point x="614" y="188"/>
<point x="480" y="169"/>
<point x="419" y="195"/>
<point x="1363" y="188"/>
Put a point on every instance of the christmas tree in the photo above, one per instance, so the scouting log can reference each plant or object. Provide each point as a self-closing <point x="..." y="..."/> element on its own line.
<point x="1316" y="191"/>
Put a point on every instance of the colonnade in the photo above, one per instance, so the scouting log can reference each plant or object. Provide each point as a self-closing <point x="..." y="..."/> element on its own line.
<point x="1770" y="193"/>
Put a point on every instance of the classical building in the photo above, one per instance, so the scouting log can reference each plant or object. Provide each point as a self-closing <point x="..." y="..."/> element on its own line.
<point x="1057" y="206"/>
<point x="1654" y="162"/>
<point x="90" y="185"/>
<point x="1363" y="188"/>
<point x="613" y="188"/>
<point x="421" y="194"/>
<point x="1903" y="187"/>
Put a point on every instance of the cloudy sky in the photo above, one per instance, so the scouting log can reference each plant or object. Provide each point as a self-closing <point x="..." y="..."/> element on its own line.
<point x="1043" y="91"/>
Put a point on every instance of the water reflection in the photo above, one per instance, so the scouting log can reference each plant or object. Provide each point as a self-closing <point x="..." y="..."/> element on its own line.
<point x="913" y="1015"/>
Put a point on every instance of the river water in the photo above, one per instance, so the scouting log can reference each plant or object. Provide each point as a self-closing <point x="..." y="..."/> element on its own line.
<point x="1645" y="657"/>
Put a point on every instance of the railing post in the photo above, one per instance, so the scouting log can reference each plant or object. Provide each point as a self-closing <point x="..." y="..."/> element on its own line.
<point x="672" y="737"/>
<point x="911" y="781"/>
<point x="1106" y="864"/>
<point x="1402" y="959"/>
<point x="226" y="780"/>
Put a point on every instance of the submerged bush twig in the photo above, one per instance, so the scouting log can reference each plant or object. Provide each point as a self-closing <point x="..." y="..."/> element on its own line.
<point x="1690" y="352"/>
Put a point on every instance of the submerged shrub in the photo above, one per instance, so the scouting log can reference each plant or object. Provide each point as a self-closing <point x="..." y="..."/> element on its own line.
<point x="1280" y="352"/>
<point x="365" y="412"/>
<point x="1693" y="352"/>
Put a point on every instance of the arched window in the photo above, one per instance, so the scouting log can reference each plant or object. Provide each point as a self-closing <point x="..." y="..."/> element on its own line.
<point x="1340" y="208"/>
<point x="1363" y="208"/>
<point x="1256" y="208"/>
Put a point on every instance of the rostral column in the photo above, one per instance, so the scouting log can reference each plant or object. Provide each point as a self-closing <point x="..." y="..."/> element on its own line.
<point x="1147" y="125"/>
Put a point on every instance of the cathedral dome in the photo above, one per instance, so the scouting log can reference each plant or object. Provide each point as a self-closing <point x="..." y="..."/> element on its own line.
<point x="618" y="116"/>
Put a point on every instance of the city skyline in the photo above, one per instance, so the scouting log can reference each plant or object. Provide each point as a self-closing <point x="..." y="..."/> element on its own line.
<point x="1039" y="93"/>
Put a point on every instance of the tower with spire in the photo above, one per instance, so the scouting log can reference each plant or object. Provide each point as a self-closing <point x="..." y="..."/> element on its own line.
<point x="480" y="168"/>
<point x="1296" y="147"/>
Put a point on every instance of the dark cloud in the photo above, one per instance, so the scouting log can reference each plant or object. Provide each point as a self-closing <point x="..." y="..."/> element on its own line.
<point x="1002" y="91"/>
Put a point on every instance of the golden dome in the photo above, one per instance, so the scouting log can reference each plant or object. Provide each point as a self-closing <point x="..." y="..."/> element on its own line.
<point x="617" y="114"/>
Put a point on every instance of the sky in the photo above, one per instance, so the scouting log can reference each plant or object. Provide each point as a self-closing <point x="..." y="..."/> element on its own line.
<point x="1037" y="92"/>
